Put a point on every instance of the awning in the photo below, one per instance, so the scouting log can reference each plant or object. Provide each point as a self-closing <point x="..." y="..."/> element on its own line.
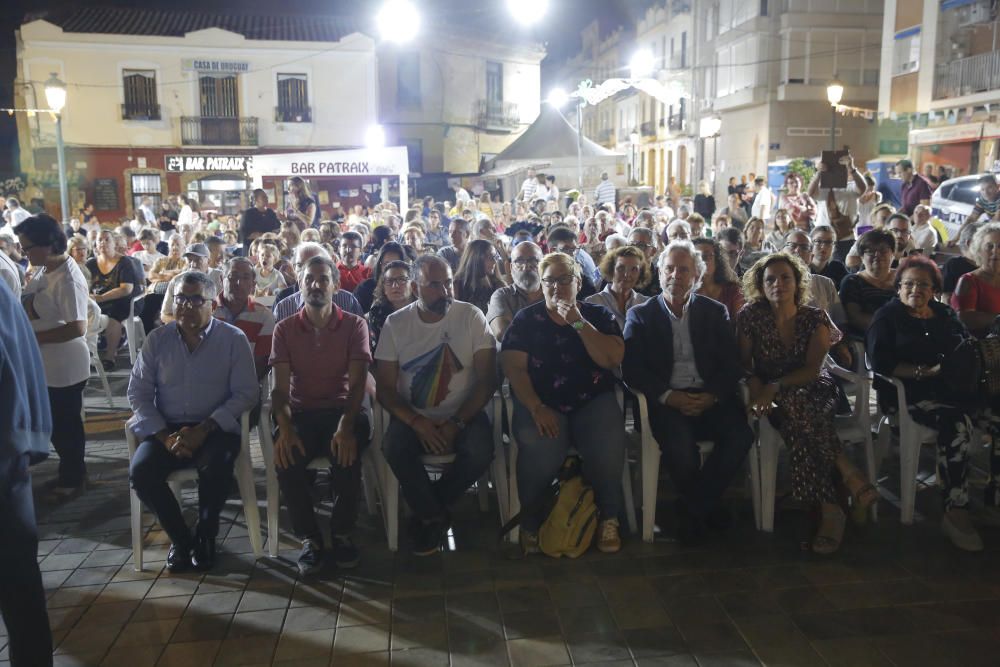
<point x="947" y="134"/>
<point x="514" y="166"/>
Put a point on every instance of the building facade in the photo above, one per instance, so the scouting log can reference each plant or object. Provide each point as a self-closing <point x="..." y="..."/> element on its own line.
<point x="156" y="106"/>
<point x="457" y="101"/>
<point x="942" y="58"/>
<point x="761" y="72"/>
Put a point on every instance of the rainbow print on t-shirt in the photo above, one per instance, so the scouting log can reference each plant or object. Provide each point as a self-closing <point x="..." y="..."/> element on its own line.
<point x="432" y="373"/>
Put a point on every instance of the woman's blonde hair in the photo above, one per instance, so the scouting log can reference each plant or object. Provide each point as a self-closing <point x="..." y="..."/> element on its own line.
<point x="560" y="259"/>
<point x="608" y="262"/>
<point x="753" y="280"/>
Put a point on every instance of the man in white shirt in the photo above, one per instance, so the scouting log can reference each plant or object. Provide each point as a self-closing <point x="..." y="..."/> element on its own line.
<point x="923" y="235"/>
<point x="529" y="186"/>
<point x="462" y="196"/>
<point x="605" y="192"/>
<point x="15" y="215"/>
<point x="763" y="202"/>
<point x="435" y="372"/>
<point x="846" y="199"/>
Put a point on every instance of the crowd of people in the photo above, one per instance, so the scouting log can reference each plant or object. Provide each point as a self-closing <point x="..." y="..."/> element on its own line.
<point x="427" y="310"/>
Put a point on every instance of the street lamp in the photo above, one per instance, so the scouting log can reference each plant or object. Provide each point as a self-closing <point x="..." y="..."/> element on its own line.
<point x="55" y="96"/>
<point x="834" y="93"/>
<point x="634" y="140"/>
<point x="375" y="137"/>
<point x="642" y="64"/>
<point x="398" y="21"/>
<point x="527" y="12"/>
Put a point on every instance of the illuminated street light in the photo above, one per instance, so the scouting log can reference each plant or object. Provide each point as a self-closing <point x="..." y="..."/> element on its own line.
<point x="398" y="21"/>
<point x="834" y="93"/>
<point x="528" y="12"/>
<point x="375" y="137"/>
<point x="558" y="98"/>
<point x="55" y="96"/>
<point x="642" y="64"/>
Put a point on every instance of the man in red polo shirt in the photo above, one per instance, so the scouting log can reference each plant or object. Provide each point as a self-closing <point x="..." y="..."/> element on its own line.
<point x="237" y="307"/>
<point x="353" y="272"/>
<point x="320" y="358"/>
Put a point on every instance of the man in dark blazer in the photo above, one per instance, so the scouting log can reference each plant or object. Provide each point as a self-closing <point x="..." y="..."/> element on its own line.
<point x="680" y="351"/>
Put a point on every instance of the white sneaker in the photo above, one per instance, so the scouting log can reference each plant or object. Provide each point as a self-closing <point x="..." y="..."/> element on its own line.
<point x="962" y="539"/>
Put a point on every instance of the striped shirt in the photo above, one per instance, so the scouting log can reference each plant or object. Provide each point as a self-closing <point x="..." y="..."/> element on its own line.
<point x="256" y="321"/>
<point x="605" y="192"/>
<point x="989" y="207"/>
<point x="293" y="304"/>
<point x="528" y="189"/>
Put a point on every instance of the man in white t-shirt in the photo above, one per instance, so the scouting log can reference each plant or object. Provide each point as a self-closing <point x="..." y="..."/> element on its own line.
<point x="763" y="201"/>
<point x="923" y="235"/>
<point x="846" y="199"/>
<point x="435" y="372"/>
<point x="528" y="186"/>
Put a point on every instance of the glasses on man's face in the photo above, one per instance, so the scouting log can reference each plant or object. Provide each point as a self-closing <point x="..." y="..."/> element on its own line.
<point x="900" y="232"/>
<point x="798" y="246"/>
<point x="643" y="246"/>
<point x="526" y="263"/>
<point x="184" y="301"/>
<point x="559" y="280"/>
<point x="396" y="282"/>
<point x="914" y="285"/>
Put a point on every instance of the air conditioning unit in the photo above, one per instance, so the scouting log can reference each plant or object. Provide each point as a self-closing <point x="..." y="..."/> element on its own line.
<point x="972" y="14"/>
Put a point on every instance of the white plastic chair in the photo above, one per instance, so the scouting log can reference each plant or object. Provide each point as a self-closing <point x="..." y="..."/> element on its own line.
<point x="95" y="362"/>
<point x="514" y="496"/>
<point x="911" y="436"/>
<point x="649" y="459"/>
<point x="134" y="330"/>
<point x="243" y="470"/>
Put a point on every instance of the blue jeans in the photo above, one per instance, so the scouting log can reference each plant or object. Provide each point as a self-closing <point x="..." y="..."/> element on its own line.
<point x="152" y="463"/>
<point x="403" y="452"/>
<point x="596" y="431"/>
<point x="22" y="598"/>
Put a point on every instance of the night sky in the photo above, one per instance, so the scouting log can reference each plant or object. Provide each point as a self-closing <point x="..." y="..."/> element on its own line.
<point x="560" y="30"/>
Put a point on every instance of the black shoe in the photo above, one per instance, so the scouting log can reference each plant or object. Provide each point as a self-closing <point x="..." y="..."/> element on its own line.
<point x="310" y="558"/>
<point x="719" y="519"/>
<point x="203" y="556"/>
<point x="178" y="559"/>
<point x="345" y="554"/>
<point x="428" y="536"/>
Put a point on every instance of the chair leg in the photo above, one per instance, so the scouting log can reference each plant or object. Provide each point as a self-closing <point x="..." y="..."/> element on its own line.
<point x="273" y="496"/>
<point x="248" y="494"/>
<point x="909" y="463"/>
<point x="135" y="507"/>
<point x="368" y="487"/>
<point x="483" y="491"/>
<point x="514" y="500"/>
<point x="104" y="380"/>
<point x="872" y="470"/>
<point x="650" y="479"/>
<point x="633" y="525"/>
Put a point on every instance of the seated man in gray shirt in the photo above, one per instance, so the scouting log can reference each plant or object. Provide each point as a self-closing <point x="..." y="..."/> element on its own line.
<point x="526" y="290"/>
<point x="680" y="352"/>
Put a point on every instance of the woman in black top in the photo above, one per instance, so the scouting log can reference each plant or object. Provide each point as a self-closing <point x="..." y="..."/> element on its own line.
<point x="909" y="337"/>
<point x="478" y="274"/>
<point x="390" y="252"/>
<point x="303" y="210"/>
<point x="392" y="292"/>
<point x="113" y="279"/>
<point x="871" y="288"/>
<point x="704" y="202"/>
<point x="257" y="220"/>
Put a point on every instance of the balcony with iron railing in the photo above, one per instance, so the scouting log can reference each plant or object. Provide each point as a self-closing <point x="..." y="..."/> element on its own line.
<point x="216" y="131"/>
<point x="141" y="111"/>
<point x="293" y="114"/>
<point x="967" y="76"/>
<point x="648" y="129"/>
<point x="605" y="135"/>
<point x="494" y="115"/>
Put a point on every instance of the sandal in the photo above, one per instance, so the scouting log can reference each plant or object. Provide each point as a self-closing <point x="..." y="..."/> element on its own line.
<point x="831" y="531"/>
<point x="862" y="499"/>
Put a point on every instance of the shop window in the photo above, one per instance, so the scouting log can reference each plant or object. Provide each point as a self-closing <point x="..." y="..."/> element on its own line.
<point x="139" y="88"/>
<point x="408" y="80"/>
<point x="293" y="99"/>
<point x="146" y="185"/>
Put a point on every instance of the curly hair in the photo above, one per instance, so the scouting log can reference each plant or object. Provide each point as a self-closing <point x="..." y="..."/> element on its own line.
<point x="724" y="273"/>
<point x="921" y="263"/>
<point x="608" y="262"/>
<point x="753" y="280"/>
<point x="979" y="239"/>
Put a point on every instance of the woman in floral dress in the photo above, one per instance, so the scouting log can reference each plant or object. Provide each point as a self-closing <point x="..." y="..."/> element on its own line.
<point x="783" y="344"/>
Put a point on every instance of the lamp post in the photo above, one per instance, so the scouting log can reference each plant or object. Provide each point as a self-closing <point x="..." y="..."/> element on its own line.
<point x="634" y="139"/>
<point x="834" y="93"/>
<point x="55" y="96"/>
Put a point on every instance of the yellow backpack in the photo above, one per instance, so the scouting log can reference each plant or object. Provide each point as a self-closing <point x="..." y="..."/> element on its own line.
<point x="569" y="529"/>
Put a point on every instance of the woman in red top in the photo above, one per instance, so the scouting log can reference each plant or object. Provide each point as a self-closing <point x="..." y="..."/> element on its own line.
<point x="977" y="296"/>
<point x="799" y="205"/>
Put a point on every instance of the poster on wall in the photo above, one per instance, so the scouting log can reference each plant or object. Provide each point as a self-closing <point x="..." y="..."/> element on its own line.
<point x="106" y="194"/>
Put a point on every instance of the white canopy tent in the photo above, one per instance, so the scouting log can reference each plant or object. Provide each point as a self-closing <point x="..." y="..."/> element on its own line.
<point x="385" y="162"/>
<point x="549" y="145"/>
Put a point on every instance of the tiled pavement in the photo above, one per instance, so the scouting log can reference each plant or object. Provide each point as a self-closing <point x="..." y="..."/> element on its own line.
<point x="894" y="595"/>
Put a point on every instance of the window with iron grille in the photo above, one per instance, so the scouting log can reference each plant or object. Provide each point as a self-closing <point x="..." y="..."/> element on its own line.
<point x="494" y="83"/>
<point x="140" y="95"/>
<point x="146" y="185"/>
<point x="293" y="99"/>
<point x="408" y="80"/>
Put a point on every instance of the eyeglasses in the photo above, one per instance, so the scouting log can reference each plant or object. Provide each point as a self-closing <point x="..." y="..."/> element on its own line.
<point x="525" y="263"/>
<point x="899" y="232"/>
<point x="876" y="252"/>
<point x="914" y="285"/>
<point x="561" y="280"/>
<point x="799" y="246"/>
<point x="643" y="246"/>
<point x="182" y="300"/>
<point x="396" y="282"/>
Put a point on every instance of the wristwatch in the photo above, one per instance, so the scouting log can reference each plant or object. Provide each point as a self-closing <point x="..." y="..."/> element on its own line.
<point x="457" y="422"/>
<point x="579" y="324"/>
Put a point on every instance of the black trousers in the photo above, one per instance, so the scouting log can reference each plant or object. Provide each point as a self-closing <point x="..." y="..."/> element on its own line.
<point x="702" y="486"/>
<point x="316" y="428"/>
<point x="68" y="435"/>
<point x="22" y="598"/>
<point x="151" y="465"/>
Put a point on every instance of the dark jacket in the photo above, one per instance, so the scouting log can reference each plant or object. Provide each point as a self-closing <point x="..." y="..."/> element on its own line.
<point x="649" y="351"/>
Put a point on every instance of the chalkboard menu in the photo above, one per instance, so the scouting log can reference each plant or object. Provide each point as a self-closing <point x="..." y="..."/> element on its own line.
<point x="106" y="194"/>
